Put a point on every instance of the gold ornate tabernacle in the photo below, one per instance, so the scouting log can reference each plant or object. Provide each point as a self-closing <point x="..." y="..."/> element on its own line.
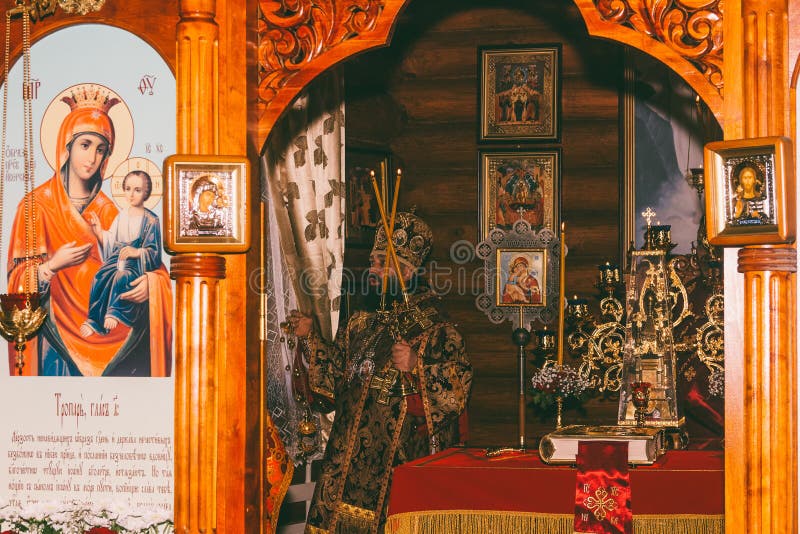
<point x="659" y="291"/>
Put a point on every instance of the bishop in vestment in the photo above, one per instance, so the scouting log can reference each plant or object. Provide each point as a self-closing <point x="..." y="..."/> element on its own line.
<point x="398" y="379"/>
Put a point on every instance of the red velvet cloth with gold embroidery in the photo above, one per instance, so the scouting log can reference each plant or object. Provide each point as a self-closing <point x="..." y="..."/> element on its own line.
<point x="603" y="490"/>
<point x="522" y="483"/>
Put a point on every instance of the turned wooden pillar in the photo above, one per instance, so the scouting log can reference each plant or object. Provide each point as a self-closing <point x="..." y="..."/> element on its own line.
<point x="197" y="78"/>
<point x="770" y="388"/>
<point x="197" y="277"/>
<point x="761" y="330"/>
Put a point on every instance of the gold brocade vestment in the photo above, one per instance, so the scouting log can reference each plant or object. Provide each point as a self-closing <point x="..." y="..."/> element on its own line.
<point x="369" y="437"/>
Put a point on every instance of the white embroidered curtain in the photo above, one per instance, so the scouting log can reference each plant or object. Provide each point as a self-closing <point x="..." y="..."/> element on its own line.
<point x="303" y="185"/>
<point x="304" y="163"/>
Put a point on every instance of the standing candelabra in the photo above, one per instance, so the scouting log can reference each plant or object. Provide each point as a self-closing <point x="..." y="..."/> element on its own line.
<point x="539" y="252"/>
<point x="598" y="343"/>
<point x="520" y="337"/>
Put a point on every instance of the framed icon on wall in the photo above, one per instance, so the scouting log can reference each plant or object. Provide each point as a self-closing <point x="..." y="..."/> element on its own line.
<point x="520" y="93"/>
<point x="206" y="203"/>
<point x="750" y="194"/>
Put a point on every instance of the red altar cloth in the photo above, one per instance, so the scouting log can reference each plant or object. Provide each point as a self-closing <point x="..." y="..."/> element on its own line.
<point x="681" y="482"/>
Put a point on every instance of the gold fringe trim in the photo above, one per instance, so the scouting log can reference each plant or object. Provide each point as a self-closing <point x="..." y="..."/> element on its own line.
<point x="679" y="524"/>
<point x="481" y="522"/>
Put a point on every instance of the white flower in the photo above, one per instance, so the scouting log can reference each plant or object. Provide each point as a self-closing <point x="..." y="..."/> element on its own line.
<point x="716" y="384"/>
<point x="76" y="518"/>
<point x="559" y="380"/>
<point x="133" y="523"/>
<point x="155" y="517"/>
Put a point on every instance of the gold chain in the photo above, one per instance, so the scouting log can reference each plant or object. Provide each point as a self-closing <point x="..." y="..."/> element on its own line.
<point x="6" y="59"/>
<point x="31" y="281"/>
<point x="29" y="204"/>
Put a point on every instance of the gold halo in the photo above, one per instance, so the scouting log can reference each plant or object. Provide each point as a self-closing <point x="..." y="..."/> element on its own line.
<point x="137" y="164"/>
<point x="57" y="110"/>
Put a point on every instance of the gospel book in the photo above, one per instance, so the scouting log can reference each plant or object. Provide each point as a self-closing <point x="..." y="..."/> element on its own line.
<point x="645" y="444"/>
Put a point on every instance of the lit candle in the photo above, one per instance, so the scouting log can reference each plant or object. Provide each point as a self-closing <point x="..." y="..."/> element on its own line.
<point x="577" y="308"/>
<point x="561" y="292"/>
<point x="546" y="340"/>
<point x="609" y="273"/>
<point x="18" y="300"/>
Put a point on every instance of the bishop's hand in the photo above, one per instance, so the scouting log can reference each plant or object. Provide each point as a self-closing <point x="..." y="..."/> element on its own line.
<point x="300" y="323"/>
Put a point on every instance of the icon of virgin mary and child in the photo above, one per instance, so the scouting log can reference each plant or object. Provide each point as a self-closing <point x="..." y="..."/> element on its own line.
<point x="521" y="287"/>
<point x="71" y="210"/>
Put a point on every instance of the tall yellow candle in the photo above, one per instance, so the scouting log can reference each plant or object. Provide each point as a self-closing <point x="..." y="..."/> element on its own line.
<point x="562" y="269"/>
<point x="391" y="227"/>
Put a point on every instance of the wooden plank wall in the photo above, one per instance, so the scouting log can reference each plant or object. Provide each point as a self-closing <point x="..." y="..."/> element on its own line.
<point x="419" y="97"/>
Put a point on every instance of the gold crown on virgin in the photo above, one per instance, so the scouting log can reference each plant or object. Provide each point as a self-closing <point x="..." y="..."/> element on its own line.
<point x="91" y="96"/>
<point x="412" y="239"/>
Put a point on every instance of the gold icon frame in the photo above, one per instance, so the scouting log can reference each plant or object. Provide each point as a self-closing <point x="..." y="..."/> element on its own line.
<point x="773" y="221"/>
<point x="223" y="226"/>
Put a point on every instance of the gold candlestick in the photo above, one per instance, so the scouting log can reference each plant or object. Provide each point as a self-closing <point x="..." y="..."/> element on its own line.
<point x="559" y="409"/>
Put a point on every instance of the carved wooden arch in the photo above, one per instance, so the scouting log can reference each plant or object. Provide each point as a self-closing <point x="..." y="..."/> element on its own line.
<point x="299" y="39"/>
<point x="685" y="35"/>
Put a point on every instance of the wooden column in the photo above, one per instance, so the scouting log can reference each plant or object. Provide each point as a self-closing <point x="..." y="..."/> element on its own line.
<point x="770" y="386"/>
<point x="761" y="366"/>
<point x="197" y="296"/>
<point x="197" y="78"/>
<point x="198" y="327"/>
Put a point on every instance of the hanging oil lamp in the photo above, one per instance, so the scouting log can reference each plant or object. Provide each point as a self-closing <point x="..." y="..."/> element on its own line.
<point x="20" y="313"/>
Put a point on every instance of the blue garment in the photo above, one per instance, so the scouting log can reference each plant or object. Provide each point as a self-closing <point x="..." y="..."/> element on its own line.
<point x="111" y="281"/>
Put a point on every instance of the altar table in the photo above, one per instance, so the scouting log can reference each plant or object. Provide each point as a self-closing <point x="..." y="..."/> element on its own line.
<point x="462" y="491"/>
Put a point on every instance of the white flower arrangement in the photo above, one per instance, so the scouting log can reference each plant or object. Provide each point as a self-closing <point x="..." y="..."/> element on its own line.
<point x="81" y="518"/>
<point x="559" y="380"/>
<point x="716" y="383"/>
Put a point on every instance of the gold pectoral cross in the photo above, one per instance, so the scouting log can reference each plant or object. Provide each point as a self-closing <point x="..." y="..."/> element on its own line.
<point x="422" y="317"/>
<point x="385" y="384"/>
<point x="416" y="316"/>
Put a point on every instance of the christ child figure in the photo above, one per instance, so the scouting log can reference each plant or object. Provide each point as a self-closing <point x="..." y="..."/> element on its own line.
<point x="130" y="248"/>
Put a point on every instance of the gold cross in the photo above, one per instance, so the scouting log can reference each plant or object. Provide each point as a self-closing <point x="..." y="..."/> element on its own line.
<point x="385" y="384"/>
<point x="422" y="317"/>
<point x="600" y="504"/>
<point x="403" y="318"/>
<point x="648" y="214"/>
